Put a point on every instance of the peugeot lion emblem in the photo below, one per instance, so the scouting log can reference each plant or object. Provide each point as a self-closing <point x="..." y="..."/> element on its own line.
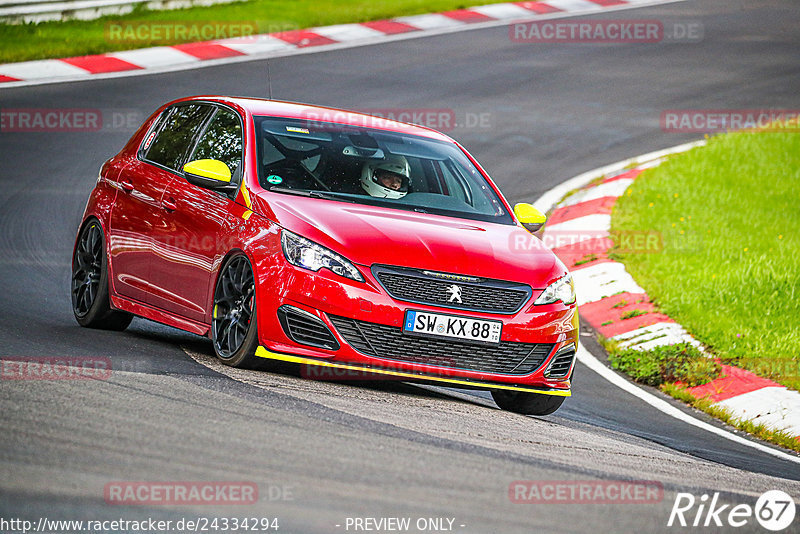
<point x="455" y="294"/>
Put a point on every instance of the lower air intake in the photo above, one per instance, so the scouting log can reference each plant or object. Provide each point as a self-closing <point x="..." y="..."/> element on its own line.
<point x="306" y="328"/>
<point x="561" y="364"/>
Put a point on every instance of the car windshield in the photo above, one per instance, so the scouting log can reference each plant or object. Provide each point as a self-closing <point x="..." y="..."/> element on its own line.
<point x="374" y="167"/>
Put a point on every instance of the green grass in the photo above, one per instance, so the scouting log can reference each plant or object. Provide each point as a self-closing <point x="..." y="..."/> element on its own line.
<point x="587" y="258"/>
<point x="666" y="364"/>
<point x="75" y="38"/>
<point x="632" y="313"/>
<point x="729" y="215"/>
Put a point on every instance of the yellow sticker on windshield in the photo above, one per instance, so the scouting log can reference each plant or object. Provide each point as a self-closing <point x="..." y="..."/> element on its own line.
<point x="296" y="129"/>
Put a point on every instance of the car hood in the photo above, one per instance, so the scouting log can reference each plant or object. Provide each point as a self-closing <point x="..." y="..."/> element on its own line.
<point x="370" y="235"/>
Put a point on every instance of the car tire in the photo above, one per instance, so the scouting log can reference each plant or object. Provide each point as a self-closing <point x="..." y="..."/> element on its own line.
<point x="89" y="282"/>
<point x="527" y="403"/>
<point x="234" y="330"/>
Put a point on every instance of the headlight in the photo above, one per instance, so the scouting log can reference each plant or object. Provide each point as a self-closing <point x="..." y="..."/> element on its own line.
<point x="304" y="253"/>
<point x="562" y="289"/>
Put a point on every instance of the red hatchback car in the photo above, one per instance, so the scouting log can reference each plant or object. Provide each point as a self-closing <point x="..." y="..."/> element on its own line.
<point x="327" y="238"/>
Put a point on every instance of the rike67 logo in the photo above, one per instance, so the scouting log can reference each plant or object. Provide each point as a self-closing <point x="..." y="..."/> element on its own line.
<point x="774" y="510"/>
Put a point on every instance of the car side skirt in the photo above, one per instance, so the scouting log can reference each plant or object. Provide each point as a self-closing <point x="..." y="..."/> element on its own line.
<point x="158" y="315"/>
<point x="262" y="352"/>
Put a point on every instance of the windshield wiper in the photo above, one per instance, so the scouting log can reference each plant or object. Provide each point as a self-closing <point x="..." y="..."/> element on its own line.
<point x="289" y="190"/>
<point x="327" y="195"/>
<point x="332" y="195"/>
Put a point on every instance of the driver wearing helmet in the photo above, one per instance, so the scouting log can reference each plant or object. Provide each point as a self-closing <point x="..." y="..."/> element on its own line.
<point x="387" y="178"/>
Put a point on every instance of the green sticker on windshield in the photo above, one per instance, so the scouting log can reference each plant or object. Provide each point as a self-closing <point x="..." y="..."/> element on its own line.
<point x="274" y="179"/>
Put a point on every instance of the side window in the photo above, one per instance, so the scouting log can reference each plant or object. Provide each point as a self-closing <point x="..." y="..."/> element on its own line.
<point x="222" y="140"/>
<point x="176" y="135"/>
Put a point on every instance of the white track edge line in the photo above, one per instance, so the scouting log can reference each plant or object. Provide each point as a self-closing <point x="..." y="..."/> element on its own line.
<point x="585" y="357"/>
<point x="322" y="48"/>
<point x="547" y="201"/>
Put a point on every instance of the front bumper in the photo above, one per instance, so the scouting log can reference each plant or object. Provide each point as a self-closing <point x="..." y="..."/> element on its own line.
<point x="325" y="295"/>
<point x="378" y="372"/>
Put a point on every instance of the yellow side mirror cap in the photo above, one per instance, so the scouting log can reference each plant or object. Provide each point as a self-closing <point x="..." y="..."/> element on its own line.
<point x="529" y="216"/>
<point x="208" y="169"/>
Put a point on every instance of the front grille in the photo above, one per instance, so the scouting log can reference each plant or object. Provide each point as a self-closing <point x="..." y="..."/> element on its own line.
<point x="306" y="329"/>
<point x="561" y="364"/>
<point x="390" y="343"/>
<point x="474" y="294"/>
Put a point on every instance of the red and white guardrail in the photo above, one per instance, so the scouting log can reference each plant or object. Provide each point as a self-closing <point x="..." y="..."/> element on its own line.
<point x="192" y="55"/>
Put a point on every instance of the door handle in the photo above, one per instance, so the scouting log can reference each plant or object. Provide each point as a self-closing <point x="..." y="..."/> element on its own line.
<point x="169" y="204"/>
<point x="126" y="185"/>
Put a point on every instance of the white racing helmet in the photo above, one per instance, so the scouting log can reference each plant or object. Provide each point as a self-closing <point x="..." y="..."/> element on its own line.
<point x="393" y="169"/>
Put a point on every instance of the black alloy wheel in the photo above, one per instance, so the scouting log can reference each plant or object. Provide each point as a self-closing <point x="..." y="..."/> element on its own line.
<point x="89" y="285"/>
<point x="233" y="327"/>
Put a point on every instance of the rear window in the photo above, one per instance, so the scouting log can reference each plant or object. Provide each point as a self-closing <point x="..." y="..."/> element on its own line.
<point x="175" y="135"/>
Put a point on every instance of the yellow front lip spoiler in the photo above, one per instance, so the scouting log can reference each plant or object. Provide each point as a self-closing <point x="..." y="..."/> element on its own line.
<point x="261" y="352"/>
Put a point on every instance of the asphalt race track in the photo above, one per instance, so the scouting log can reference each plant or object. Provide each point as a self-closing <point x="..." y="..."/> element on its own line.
<point x="321" y="452"/>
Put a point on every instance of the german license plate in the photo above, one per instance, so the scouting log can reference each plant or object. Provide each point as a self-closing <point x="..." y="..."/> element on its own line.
<point x="452" y="326"/>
